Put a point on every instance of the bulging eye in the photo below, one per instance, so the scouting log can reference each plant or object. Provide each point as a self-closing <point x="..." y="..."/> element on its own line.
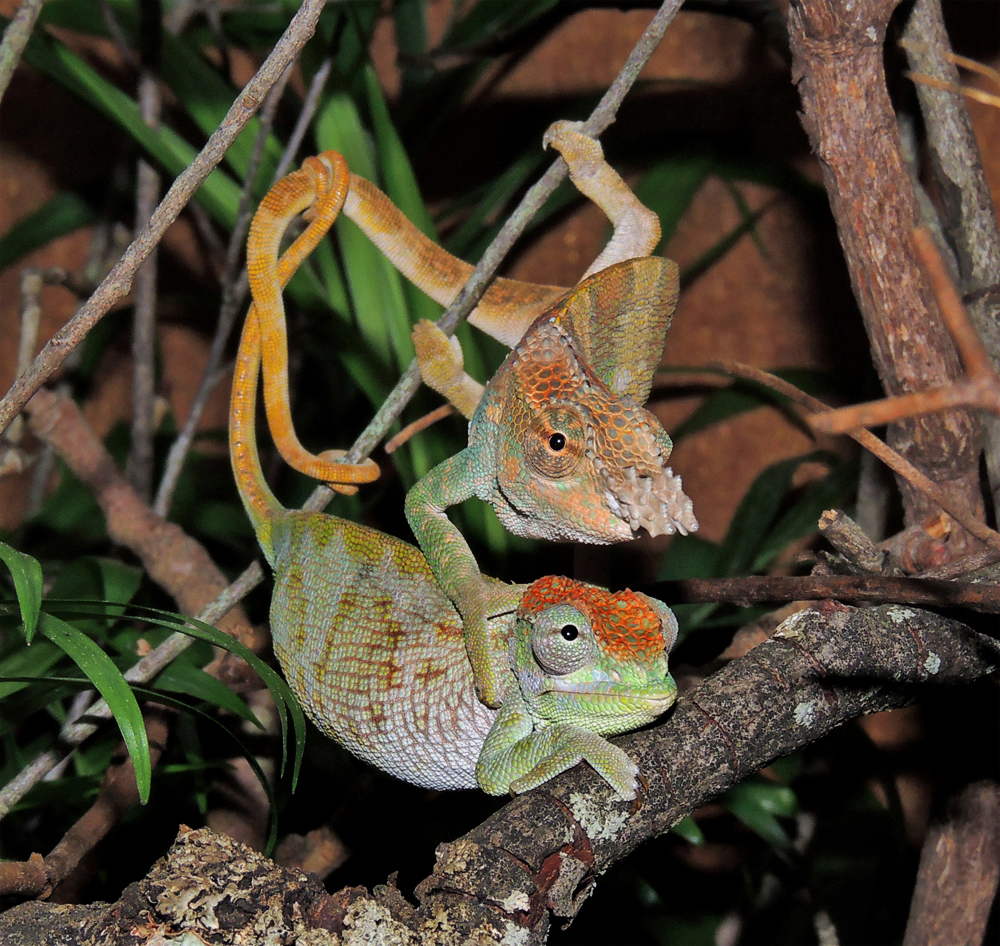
<point x="562" y="640"/>
<point x="555" y="442"/>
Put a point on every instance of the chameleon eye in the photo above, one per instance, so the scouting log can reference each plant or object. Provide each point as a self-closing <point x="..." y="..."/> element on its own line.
<point x="562" y="640"/>
<point x="555" y="442"/>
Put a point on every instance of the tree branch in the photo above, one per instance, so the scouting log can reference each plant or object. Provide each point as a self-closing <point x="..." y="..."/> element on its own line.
<point x="837" y="63"/>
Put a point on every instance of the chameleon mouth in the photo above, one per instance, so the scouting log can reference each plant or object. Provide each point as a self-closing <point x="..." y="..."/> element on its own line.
<point x="660" y="699"/>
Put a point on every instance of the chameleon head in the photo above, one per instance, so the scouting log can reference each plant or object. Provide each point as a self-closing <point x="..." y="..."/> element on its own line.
<point x="585" y="656"/>
<point x="573" y="459"/>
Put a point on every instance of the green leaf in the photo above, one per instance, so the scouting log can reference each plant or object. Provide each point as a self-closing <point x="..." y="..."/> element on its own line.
<point x="105" y="676"/>
<point x="285" y="701"/>
<point x="27" y="575"/>
<point x="192" y="681"/>
<point x="757" y="803"/>
<point x="688" y="556"/>
<point x="63" y="214"/>
<point x="688" y="829"/>
<point x="757" y="513"/>
<point x="26" y="662"/>
<point x="831" y="492"/>
<point x="272" y="822"/>
<point x="219" y="195"/>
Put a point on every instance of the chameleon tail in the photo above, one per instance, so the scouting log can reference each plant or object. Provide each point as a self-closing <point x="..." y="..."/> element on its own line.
<point x="318" y="188"/>
<point x="315" y="190"/>
<point x="260" y="503"/>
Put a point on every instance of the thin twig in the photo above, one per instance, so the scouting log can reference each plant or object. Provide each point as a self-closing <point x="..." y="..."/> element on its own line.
<point x="466" y="300"/>
<point x="309" y="107"/>
<point x="139" y="466"/>
<point x="422" y="423"/>
<point x="869" y="441"/>
<point x="233" y="291"/>
<point x="15" y="38"/>
<point x="118" y="282"/>
<point x="980" y="388"/>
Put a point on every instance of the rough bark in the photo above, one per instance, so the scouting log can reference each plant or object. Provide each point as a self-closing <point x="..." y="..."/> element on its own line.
<point x="967" y="213"/>
<point x="959" y="869"/>
<point x="837" y="64"/>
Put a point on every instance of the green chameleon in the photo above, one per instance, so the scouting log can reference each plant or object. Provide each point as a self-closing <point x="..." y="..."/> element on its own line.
<point x="374" y="650"/>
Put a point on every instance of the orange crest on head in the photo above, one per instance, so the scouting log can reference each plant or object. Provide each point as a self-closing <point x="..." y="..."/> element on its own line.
<point x="626" y="627"/>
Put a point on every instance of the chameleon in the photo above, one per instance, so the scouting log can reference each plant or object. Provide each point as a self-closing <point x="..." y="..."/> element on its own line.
<point x="374" y="649"/>
<point x="559" y="443"/>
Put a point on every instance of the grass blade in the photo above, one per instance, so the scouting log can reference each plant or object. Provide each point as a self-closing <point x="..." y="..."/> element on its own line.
<point x="107" y="679"/>
<point x="27" y="575"/>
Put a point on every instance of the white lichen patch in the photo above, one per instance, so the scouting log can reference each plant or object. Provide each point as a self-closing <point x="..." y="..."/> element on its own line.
<point x="789" y="628"/>
<point x="368" y="922"/>
<point x="932" y="663"/>
<point x="805" y="713"/>
<point x="900" y="615"/>
<point x="517" y="902"/>
<point x="600" y="823"/>
<point x="872" y="33"/>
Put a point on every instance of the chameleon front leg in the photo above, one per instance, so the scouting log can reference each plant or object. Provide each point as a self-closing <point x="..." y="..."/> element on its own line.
<point x="455" y="568"/>
<point x="516" y="758"/>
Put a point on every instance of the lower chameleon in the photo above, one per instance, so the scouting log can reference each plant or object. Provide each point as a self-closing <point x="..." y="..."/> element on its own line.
<point x="374" y="649"/>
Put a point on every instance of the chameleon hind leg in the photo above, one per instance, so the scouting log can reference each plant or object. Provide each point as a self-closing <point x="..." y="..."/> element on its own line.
<point x="318" y="189"/>
<point x="636" y="233"/>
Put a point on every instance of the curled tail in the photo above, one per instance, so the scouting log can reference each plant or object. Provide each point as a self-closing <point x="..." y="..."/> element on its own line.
<point x="318" y="188"/>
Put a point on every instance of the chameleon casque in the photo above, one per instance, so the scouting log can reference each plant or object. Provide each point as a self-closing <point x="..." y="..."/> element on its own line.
<point x="559" y="442"/>
<point x="374" y="649"/>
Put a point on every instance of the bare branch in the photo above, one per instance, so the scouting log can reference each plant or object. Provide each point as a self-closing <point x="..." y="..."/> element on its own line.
<point x="15" y="38"/>
<point x="838" y="45"/>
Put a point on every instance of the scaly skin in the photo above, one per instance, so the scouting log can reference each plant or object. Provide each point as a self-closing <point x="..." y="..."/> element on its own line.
<point x="374" y="649"/>
<point x="318" y="187"/>
<point x="559" y="445"/>
<point x="506" y="310"/>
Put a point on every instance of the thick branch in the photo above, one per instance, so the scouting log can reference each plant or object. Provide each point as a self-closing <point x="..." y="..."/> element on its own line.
<point x="837" y="53"/>
<point x="544" y="851"/>
<point x="175" y="561"/>
<point x="959" y="870"/>
<point x="541" y="855"/>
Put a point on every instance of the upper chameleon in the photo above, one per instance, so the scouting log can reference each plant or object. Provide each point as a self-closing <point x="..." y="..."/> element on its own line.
<point x="374" y="649"/>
